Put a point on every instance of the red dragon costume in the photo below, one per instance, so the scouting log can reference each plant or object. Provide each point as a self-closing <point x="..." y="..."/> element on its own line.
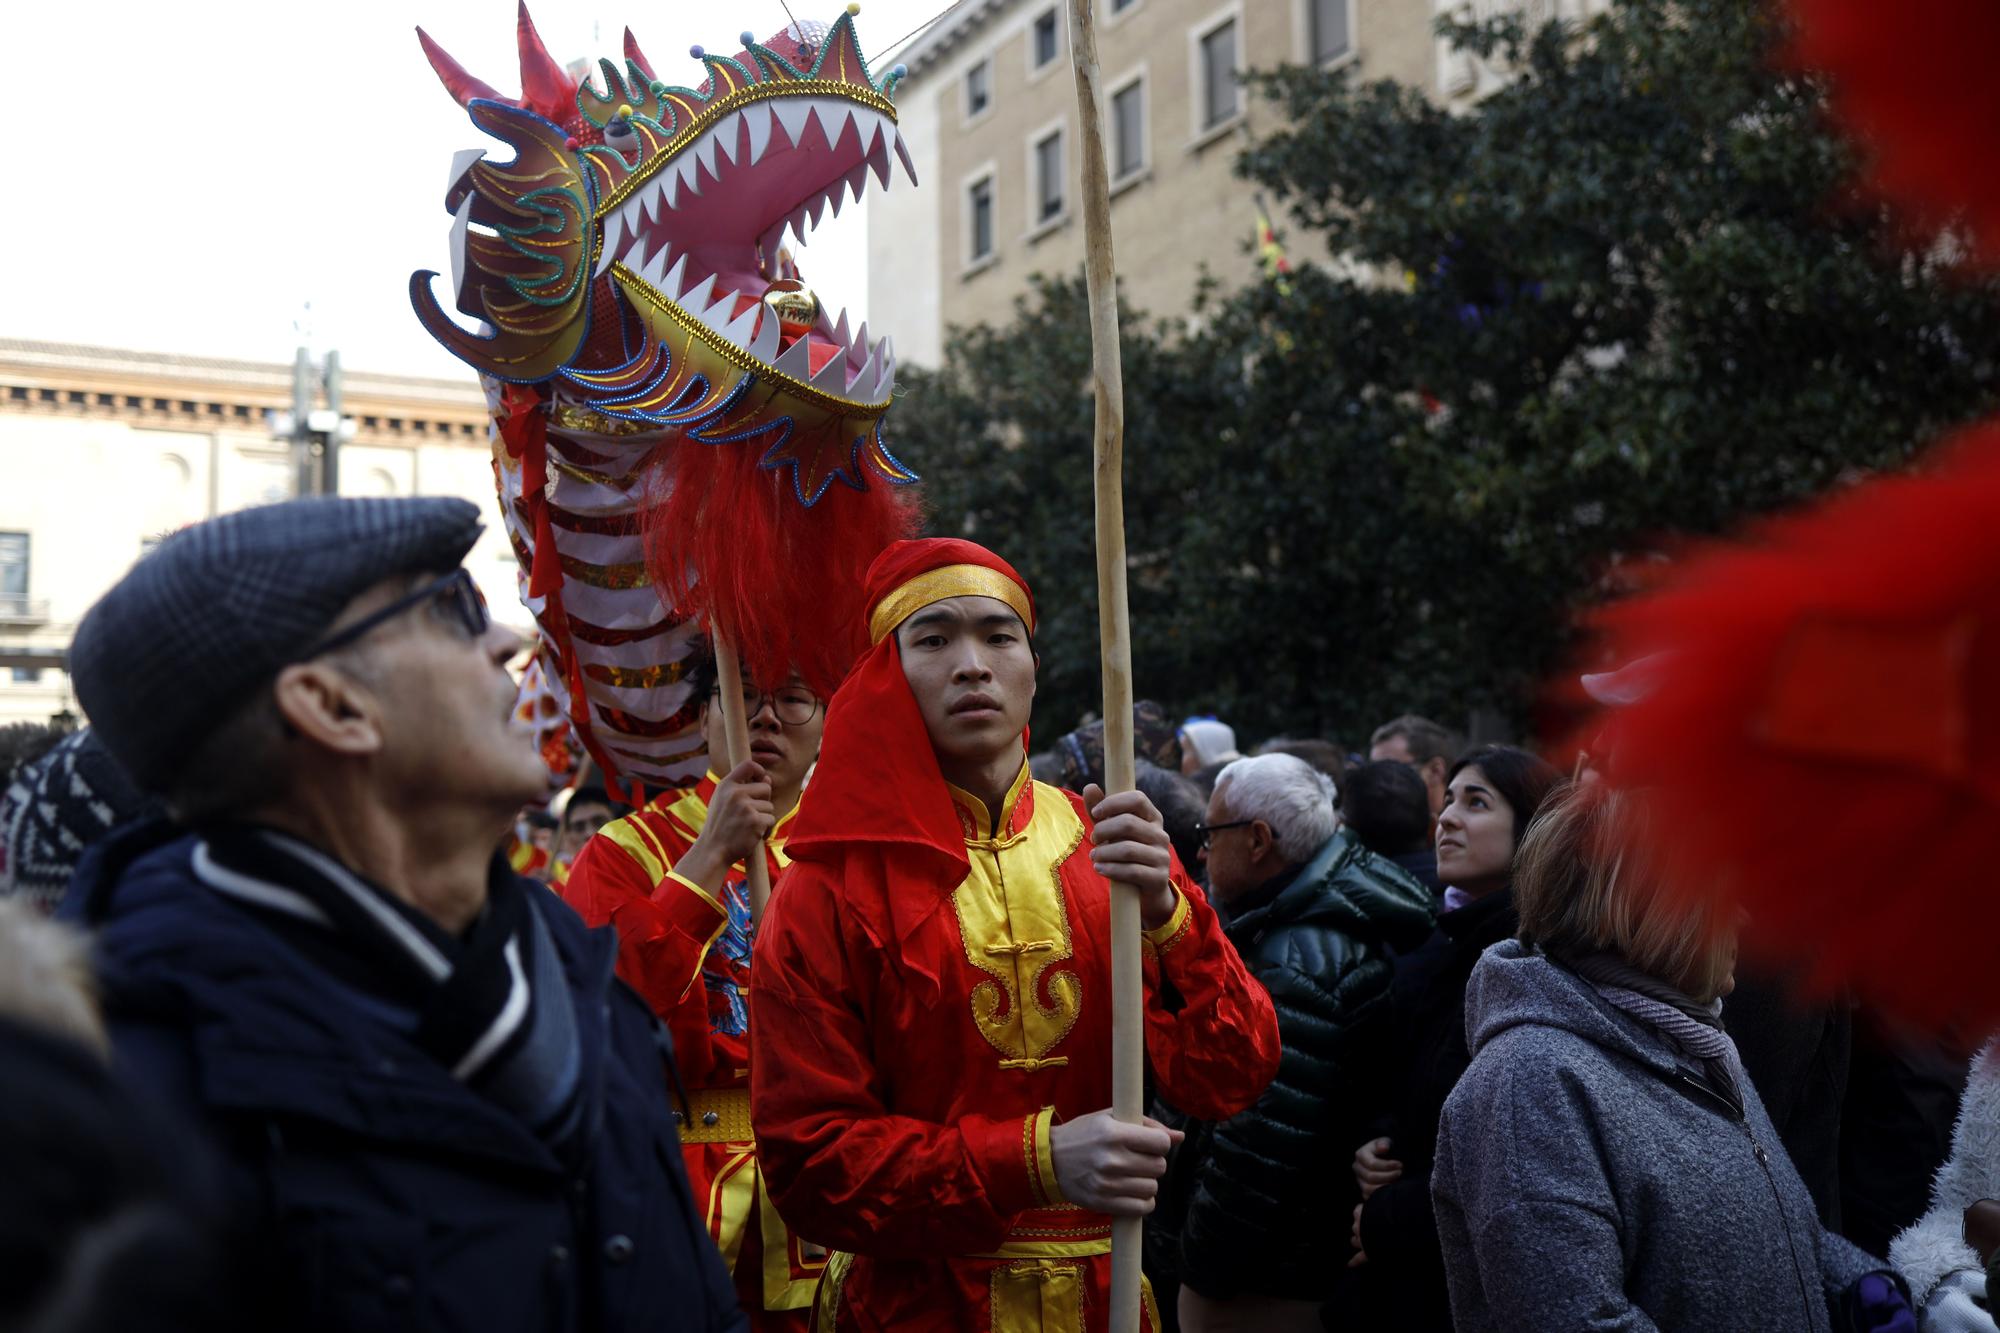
<point x="683" y="437"/>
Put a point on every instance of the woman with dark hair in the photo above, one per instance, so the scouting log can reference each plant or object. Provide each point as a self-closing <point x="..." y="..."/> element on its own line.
<point x="1416" y="1048"/>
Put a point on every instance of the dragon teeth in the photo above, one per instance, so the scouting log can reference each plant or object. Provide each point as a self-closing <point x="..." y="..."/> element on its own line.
<point x="744" y="327"/>
<point x="885" y="378"/>
<point x="796" y="362"/>
<point x="757" y="119"/>
<point x="878" y="160"/>
<point x="698" y="297"/>
<point x="461" y="228"/>
<point x="834" y="118"/>
<point x="862" y="382"/>
<point x="832" y="377"/>
<point x="764" y="343"/>
<point x="671" y="284"/>
<point x="461" y="162"/>
<point x="654" y="271"/>
<point x="717" y="315"/>
<point x="704" y="151"/>
<point x="792" y="114"/>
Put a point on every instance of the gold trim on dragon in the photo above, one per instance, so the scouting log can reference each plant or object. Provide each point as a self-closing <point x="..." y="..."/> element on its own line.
<point x="742" y="360"/>
<point x="708" y="115"/>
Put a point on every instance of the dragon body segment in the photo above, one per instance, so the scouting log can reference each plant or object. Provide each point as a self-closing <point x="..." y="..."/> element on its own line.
<point x="671" y="444"/>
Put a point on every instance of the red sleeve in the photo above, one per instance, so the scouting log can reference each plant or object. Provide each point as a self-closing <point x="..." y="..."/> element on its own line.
<point x="840" y="1167"/>
<point x="665" y="924"/>
<point x="1216" y="1053"/>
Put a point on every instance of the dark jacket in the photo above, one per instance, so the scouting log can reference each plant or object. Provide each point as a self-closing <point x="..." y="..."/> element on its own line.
<point x="1902" y="1097"/>
<point x="107" y="1212"/>
<point x="1260" y="1202"/>
<point x="1423" y="864"/>
<point x="1415" y="1052"/>
<point x="1797" y="1052"/>
<point x="385" y="1194"/>
<point x="1588" y="1177"/>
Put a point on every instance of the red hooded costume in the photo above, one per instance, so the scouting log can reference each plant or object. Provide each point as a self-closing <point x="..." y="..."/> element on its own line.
<point x="931" y="994"/>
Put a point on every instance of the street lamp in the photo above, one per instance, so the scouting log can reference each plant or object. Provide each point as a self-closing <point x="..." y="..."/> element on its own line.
<point x="314" y="433"/>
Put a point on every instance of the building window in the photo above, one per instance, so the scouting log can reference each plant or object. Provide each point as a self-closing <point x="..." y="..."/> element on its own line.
<point x="979" y="218"/>
<point x="1218" y="74"/>
<point x="1332" y="34"/>
<point x="14" y="573"/>
<point x="1128" y="130"/>
<point x="1049" y="176"/>
<point x="1042" y="41"/>
<point x="1120" y="6"/>
<point x="27" y="675"/>
<point x="978" y="88"/>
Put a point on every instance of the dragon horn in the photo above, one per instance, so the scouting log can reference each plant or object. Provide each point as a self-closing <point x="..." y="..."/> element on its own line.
<point x="545" y="87"/>
<point x="462" y="86"/>
<point x="636" y="56"/>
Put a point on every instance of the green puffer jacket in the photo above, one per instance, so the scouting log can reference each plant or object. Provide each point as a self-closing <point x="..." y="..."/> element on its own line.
<point x="1263" y="1202"/>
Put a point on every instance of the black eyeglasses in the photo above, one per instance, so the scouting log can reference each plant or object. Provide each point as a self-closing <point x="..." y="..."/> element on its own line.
<point x="1207" y="831"/>
<point x="792" y="705"/>
<point x="455" y="595"/>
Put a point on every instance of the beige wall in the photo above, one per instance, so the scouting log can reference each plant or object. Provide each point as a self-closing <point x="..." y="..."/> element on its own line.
<point x="103" y="451"/>
<point x="1186" y="209"/>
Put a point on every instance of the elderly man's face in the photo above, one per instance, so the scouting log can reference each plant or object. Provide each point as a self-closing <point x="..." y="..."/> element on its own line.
<point x="446" y="700"/>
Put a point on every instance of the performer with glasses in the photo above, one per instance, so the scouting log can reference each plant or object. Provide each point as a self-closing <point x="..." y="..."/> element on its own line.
<point x="671" y="878"/>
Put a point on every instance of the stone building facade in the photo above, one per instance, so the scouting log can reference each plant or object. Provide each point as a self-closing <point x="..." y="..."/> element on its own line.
<point x="104" y="452"/>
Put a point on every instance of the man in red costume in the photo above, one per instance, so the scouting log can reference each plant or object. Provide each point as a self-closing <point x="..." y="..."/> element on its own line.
<point x="932" y="1055"/>
<point x="670" y="877"/>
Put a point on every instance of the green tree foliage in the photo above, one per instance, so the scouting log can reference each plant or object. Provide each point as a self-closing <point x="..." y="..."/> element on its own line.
<point x="1630" y="294"/>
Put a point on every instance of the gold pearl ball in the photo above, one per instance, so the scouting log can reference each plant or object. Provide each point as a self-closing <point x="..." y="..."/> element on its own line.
<point x="794" y="304"/>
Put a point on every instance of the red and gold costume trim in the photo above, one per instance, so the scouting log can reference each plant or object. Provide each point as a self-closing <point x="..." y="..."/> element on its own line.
<point x="947" y="1197"/>
<point x="938" y="584"/>
<point x="930" y="984"/>
<point x="683" y="948"/>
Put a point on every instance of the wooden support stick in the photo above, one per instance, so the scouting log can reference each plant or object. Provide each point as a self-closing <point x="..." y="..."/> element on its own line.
<point x="736" y="735"/>
<point x="1128" y="1040"/>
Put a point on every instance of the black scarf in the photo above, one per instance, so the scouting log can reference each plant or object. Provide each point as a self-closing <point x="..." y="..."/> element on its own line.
<point x="491" y="1006"/>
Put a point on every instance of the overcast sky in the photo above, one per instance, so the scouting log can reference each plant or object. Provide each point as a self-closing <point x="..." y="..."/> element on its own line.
<point x="187" y="177"/>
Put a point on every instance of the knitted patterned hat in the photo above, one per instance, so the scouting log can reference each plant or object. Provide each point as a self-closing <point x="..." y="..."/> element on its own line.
<point x="55" y="808"/>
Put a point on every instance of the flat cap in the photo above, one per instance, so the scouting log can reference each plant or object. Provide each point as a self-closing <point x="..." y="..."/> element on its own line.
<point x="217" y="609"/>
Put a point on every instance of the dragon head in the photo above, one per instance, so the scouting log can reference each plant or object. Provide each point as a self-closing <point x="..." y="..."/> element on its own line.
<point x="634" y="252"/>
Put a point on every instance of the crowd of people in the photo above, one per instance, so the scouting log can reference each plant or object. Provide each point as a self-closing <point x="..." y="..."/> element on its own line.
<point x="318" y="1014"/>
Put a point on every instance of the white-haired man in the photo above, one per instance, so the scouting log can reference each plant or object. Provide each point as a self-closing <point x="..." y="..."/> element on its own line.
<point x="1252" y="1206"/>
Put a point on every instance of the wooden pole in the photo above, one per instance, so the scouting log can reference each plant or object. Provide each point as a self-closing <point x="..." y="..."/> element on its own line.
<point x="1128" y="1041"/>
<point x="736" y="735"/>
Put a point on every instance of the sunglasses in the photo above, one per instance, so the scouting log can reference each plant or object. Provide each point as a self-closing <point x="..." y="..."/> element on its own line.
<point x="455" y="596"/>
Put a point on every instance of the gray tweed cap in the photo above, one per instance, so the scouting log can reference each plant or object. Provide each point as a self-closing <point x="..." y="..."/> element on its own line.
<point x="217" y="609"/>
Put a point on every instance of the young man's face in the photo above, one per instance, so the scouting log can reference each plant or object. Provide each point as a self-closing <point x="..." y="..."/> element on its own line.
<point x="785" y="748"/>
<point x="972" y="672"/>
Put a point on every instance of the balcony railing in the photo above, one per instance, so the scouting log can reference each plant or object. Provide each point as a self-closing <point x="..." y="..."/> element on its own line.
<point x="20" y="609"/>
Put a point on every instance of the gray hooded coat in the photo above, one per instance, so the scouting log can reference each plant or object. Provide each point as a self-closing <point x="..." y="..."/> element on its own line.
<point x="1588" y="1178"/>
